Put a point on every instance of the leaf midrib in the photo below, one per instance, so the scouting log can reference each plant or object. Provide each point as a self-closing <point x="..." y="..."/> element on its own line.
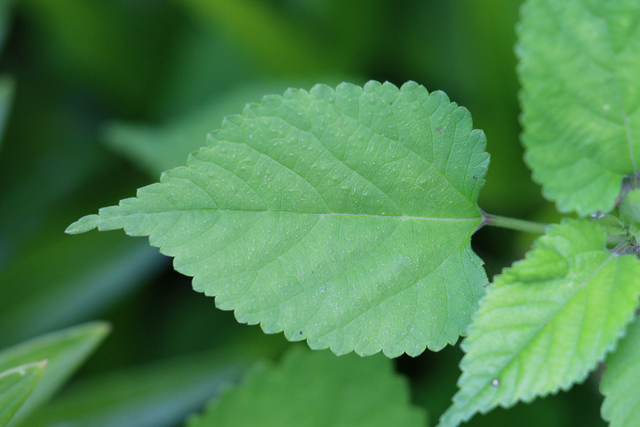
<point x="319" y="214"/>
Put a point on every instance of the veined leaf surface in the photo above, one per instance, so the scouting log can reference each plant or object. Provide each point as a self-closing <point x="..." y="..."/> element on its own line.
<point x="317" y="389"/>
<point x="582" y="135"/>
<point x="620" y="383"/>
<point x="340" y="216"/>
<point x="546" y="321"/>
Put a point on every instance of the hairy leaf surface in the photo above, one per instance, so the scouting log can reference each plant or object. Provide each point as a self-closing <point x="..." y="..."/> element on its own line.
<point x="579" y="67"/>
<point x="620" y="383"/>
<point x="317" y="389"/>
<point x="546" y="321"/>
<point x="340" y="216"/>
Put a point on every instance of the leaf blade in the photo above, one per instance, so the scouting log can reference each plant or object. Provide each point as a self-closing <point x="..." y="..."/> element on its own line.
<point x="64" y="350"/>
<point x="581" y="135"/>
<point x="314" y="389"/>
<point x="621" y="380"/>
<point x="546" y="321"/>
<point x="340" y="216"/>
<point x="15" y="387"/>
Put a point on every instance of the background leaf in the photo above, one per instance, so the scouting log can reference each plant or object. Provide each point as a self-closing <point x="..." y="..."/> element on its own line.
<point x="316" y="389"/>
<point x="16" y="385"/>
<point x="546" y="321"/>
<point x="343" y="217"/>
<point x="64" y="350"/>
<point x="49" y="270"/>
<point x="159" y="148"/>
<point x="582" y="134"/>
<point x="155" y="394"/>
<point x="7" y="87"/>
<point x="621" y="381"/>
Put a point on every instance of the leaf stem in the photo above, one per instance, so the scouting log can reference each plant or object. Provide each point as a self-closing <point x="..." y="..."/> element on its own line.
<point x="514" y="224"/>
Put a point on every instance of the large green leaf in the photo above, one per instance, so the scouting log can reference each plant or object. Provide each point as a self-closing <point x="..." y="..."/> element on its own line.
<point x="64" y="350"/>
<point x="16" y="385"/>
<point x="579" y="67"/>
<point x="621" y="381"/>
<point x="317" y="389"/>
<point x="546" y="321"/>
<point x="343" y="217"/>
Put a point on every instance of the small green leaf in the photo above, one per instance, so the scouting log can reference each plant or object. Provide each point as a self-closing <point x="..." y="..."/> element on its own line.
<point x="340" y="216"/>
<point x="546" y="321"/>
<point x="620" y="383"/>
<point x="15" y="386"/>
<point x="612" y="224"/>
<point x="64" y="350"/>
<point x="630" y="210"/>
<point x="581" y="134"/>
<point x="317" y="389"/>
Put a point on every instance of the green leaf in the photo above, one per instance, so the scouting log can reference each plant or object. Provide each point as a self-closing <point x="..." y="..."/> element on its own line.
<point x="343" y="217"/>
<point x="612" y="225"/>
<point x="546" y="321"/>
<point x="64" y="350"/>
<point x="317" y="389"/>
<point x="152" y="395"/>
<point x="630" y="210"/>
<point x="620" y="383"/>
<point x="15" y="386"/>
<point x="581" y="134"/>
<point x="56" y="281"/>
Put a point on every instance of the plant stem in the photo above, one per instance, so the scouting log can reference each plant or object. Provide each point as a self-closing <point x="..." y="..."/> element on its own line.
<point x="514" y="224"/>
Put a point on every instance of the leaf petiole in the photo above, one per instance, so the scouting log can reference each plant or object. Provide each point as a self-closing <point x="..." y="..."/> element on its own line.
<point x="513" y="223"/>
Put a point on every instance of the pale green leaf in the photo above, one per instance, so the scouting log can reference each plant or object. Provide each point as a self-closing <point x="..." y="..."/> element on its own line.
<point x="546" y="321"/>
<point x="317" y="389"/>
<point x="620" y="383"/>
<point x="343" y="217"/>
<point x="65" y="351"/>
<point x="579" y="67"/>
<point x="16" y="385"/>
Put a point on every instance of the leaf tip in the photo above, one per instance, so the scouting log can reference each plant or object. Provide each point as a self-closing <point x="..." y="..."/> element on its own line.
<point x="84" y="224"/>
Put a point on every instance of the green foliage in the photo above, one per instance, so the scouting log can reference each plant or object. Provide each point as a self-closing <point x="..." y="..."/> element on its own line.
<point x="316" y="389"/>
<point x="621" y="381"/>
<point x="330" y="215"/>
<point x="547" y="321"/>
<point x="16" y="385"/>
<point x="340" y="216"/>
<point x="158" y="394"/>
<point x="578" y="63"/>
<point x="59" y="354"/>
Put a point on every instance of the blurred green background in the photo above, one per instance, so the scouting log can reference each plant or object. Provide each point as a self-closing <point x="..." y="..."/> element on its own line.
<point x="97" y="97"/>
